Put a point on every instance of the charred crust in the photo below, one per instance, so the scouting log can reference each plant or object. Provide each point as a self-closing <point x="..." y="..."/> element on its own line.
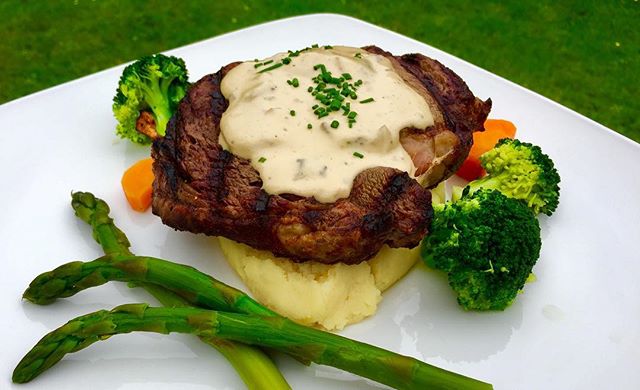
<point x="202" y="188"/>
<point x="262" y="202"/>
<point x="376" y="223"/>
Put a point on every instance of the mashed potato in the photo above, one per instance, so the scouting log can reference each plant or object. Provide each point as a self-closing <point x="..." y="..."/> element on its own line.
<point x="315" y="294"/>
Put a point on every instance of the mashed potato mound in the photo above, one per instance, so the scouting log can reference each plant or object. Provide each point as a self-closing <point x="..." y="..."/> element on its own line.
<point x="315" y="294"/>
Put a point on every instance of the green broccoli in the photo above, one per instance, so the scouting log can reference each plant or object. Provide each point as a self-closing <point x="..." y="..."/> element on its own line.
<point x="487" y="243"/>
<point x="520" y="170"/>
<point x="147" y="96"/>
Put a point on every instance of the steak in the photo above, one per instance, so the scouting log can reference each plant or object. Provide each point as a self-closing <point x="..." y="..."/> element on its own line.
<point x="202" y="188"/>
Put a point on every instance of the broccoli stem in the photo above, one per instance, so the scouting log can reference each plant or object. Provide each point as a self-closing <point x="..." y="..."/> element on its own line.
<point x="487" y="182"/>
<point x="383" y="366"/>
<point x="253" y="366"/>
<point x="160" y="104"/>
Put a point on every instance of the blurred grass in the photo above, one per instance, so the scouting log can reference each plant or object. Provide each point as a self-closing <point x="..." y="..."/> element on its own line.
<point x="583" y="54"/>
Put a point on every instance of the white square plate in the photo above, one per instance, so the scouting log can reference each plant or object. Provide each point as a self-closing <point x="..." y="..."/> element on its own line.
<point x="575" y="327"/>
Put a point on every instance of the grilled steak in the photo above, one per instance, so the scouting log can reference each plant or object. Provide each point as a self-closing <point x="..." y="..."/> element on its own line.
<point x="200" y="187"/>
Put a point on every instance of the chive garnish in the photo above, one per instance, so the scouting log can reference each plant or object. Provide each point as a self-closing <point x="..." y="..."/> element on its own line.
<point x="335" y="124"/>
<point x="358" y="154"/>
<point x="369" y="100"/>
<point x="272" y="67"/>
<point x="262" y="159"/>
<point x="358" y="55"/>
<point x="262" y="63"/>
<point x="309" y="126"/>
<point x="292" y="113"/>
<point x="352" y="115"/>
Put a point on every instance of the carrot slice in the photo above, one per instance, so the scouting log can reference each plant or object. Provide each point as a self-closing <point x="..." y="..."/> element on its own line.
<point x="494" y="130"/>
<point x="137" y="182"/>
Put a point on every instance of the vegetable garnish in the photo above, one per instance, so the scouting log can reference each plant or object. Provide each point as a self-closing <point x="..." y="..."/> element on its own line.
<point x="494" y="130"/>
<point x="224" y="313"/>
<point x="487" y="244"/>
<point x="254" y="367"/>
<point x="137" y="182"/>
<point x="522" y="171"/>
<point x="147" y="96"/>
<point x="333" y="92"/>
<point x="358" y="154"/>
<point x="369" y="100"/>
<point x="262" y="64"/>
<point x="262" y="159"/>
<point x="272" y="67"/>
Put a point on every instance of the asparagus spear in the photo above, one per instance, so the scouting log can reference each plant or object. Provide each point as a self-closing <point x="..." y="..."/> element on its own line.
<point x="254" y="367"/>
<point x="202" y="290"/>
<point x="383" y="366"/>
<point x="197" y="288"/>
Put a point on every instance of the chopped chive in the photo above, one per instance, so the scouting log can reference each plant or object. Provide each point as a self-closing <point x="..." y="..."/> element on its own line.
<point x="294" y="82"/>
<point x="335" y="124"/>
<point x="358" y="55"/>
<point x="328" y="47"/>
<point x="314" y="46"/>
<point x="369" y="100"/>
<point x="353" y="95"/>
<point x="309" y="125"/>
<point x="292" y="113"/>
<point x="310" y="89"/>
<point x="346" y="76"/>
<point x="358" y="154"/>
<point x="272" y="67"/>
<point x="262" y="159"/>
<point x="286" y="60"/>
<point x="352" y="115"/>
<point x="263" y="63"/>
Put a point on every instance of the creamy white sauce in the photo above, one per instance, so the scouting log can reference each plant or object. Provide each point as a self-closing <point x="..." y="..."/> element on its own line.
<point x="319" y="162"/>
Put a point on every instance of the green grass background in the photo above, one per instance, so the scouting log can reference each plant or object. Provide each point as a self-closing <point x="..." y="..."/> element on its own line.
<point x="583" y="54"/>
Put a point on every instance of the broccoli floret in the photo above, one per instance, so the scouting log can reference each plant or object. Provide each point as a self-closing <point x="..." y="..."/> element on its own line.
<point x="487" y="243"/>
<point x="150" y="89"/>
<point x="520" y="170"/>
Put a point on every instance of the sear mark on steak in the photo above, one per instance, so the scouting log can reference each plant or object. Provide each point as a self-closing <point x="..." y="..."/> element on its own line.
<point x="201" y="188"/>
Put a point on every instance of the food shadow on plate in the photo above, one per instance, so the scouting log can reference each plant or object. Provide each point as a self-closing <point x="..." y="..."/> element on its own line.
<point x="430" y="323"/>
<point x="104" y="297"/>
<point x="144" y="361"/>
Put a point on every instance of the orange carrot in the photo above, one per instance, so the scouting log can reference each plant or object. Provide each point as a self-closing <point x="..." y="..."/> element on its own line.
<point x="494" y="130"/>
<point x="136" y="183"/>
